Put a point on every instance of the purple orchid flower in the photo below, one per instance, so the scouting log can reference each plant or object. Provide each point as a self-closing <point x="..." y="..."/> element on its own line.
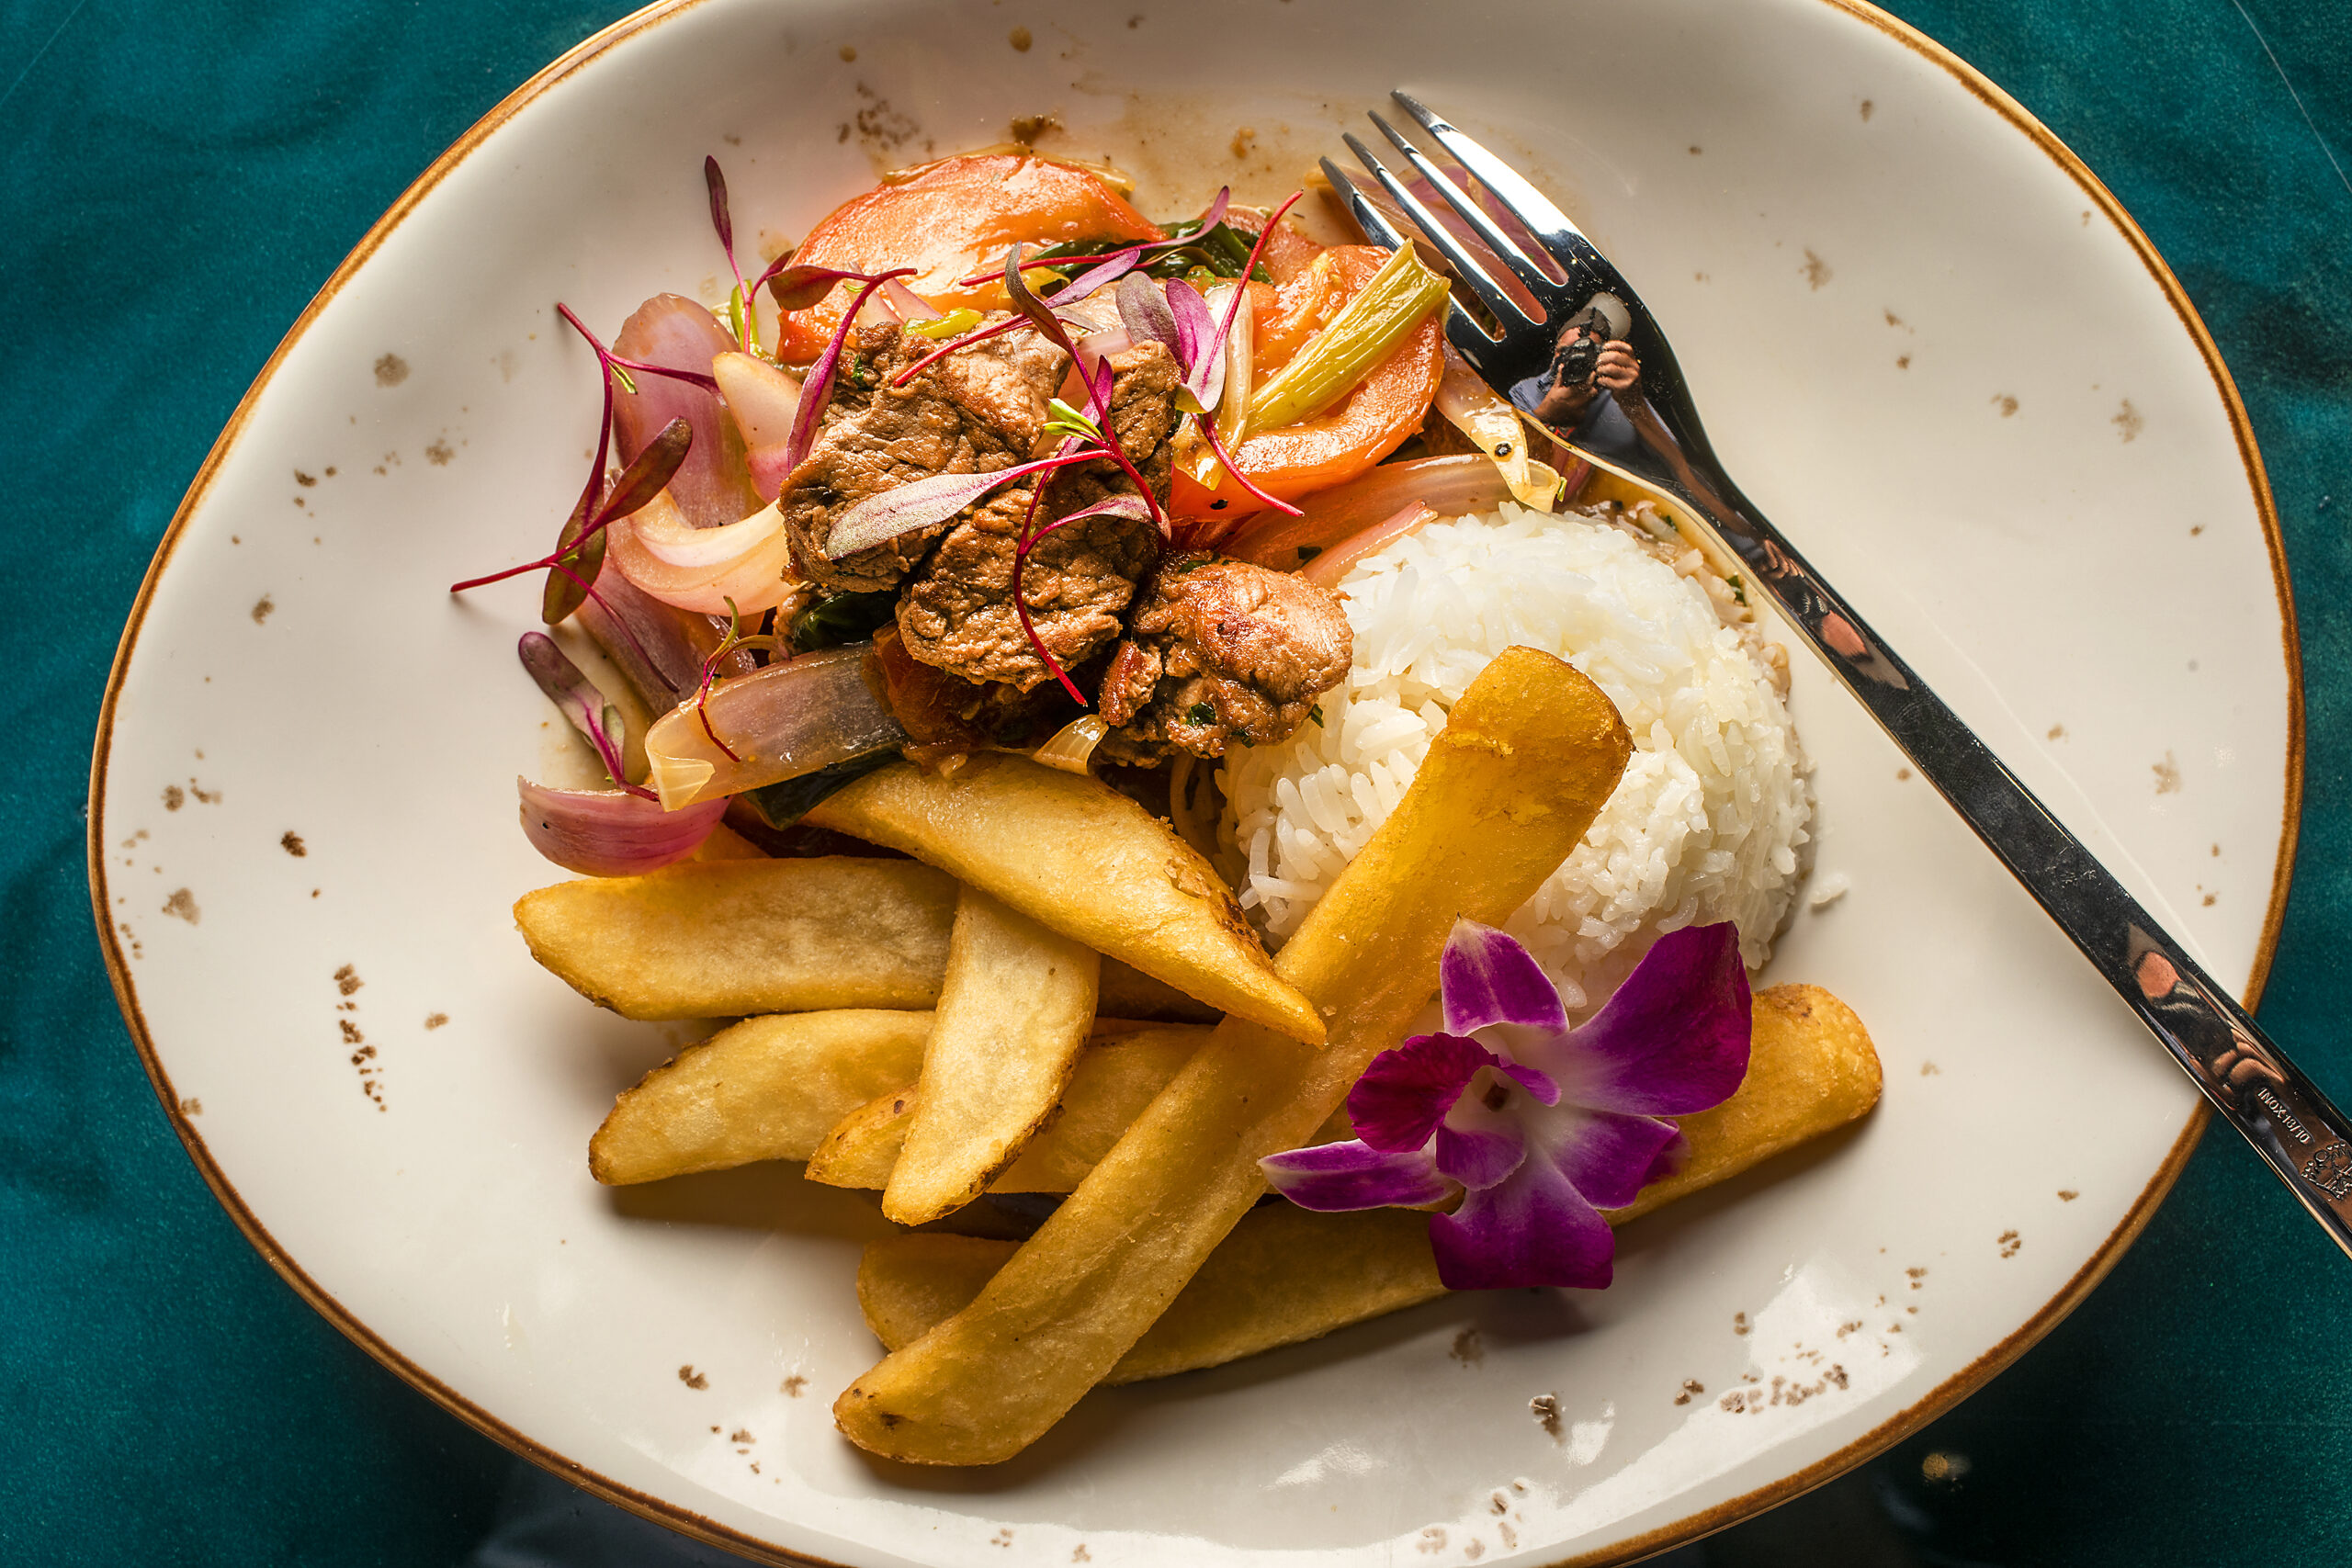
<point x="1539" y="1125"/>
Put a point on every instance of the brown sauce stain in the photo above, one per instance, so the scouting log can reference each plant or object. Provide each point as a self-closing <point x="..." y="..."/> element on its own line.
<point x="391" y="370"/>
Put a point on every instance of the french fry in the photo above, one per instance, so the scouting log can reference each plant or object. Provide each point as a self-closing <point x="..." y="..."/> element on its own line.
<point x="713" y="939"/>
<point x="1287" y="1275"/>
<point x="1077" y="856"/>
<point x="1116" y="1078"/>
<point x="759" y="935"/>
<point x="1509" y="786"/>
<point x="774" y="1088"/>
<point x="1013" y="1013"/>
<point x="1128" y="992"/>
<point x="766" y="1088"/>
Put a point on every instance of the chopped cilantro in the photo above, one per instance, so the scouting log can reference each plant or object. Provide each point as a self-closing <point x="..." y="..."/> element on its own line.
<point x="1201" y="713"/>
<point x="1738" y="589"/>
<point x="1315" y="713"/>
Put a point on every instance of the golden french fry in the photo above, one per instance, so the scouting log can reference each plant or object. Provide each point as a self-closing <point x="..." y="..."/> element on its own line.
<point x="1116" y="1078"/>
<point x="759" y="935"/>
<point x="766" y="1088"/>
<point x="1074" y="855"/>
<point x="1128" y="992"/>
<point x="1013" y="1013"/>
<point x="1287" y="1275"/>
<point x="1811" y="1069"/>
<point x="1511" y="784"/>
<point x="863" y="1147"/>
<point x="710" y="939"/>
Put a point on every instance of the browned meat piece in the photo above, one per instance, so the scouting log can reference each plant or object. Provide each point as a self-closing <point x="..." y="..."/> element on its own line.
<point x="946" y="715"/>
<point x="957" y="613"/>
<point x="974" y="412"/>
<point x="1218" y="652"/>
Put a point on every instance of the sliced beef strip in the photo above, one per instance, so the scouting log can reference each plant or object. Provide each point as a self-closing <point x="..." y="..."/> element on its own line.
<point x="977" y="411"/>
<point x="958" y="611"/>
<point x="1217" y="653"/>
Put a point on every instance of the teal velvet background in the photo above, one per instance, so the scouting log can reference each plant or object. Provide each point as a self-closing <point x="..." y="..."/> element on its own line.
<point x="177" y="181"/>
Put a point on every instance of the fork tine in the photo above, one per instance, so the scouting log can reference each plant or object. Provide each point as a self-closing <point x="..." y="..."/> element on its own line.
<point x="1490" y="294"/>
<point x="1551" y="227"/>
<point x="1505" y="247"/>
<point x="1377" y="228"/>
<point x="1375" y="223"/>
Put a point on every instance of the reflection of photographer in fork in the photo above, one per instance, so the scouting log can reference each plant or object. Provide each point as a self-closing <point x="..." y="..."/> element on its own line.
<point x="1591" y="364"/>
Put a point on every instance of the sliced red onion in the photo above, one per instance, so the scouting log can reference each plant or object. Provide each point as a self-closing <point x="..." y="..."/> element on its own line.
<point x="663" y="532"/>
<point x="1327" y="568"/>
<point x="603" y="832"/>
<point x="648" y="641"/>
<point x="770" y="466"/>
<point x="757" y="577"/>
<point x="1072" y="747"/>
<point x="713" y="486"/>
<point x="1095" y="348"/>
<point x="763" y="399"/>
<point x="780" y="722"/>
<point x="1451" y="486"/>
<point x="907" y="305"/>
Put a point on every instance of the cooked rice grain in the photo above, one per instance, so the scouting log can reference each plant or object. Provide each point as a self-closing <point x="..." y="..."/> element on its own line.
<point x="1709" y="821"/>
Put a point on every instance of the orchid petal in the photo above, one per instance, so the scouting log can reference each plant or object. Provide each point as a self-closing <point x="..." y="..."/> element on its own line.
<point x="1533" y="1228"/>
<point x="1534" y="1080"/>
<point x="1674" y="1038"/>
<point x="1668" y="1158"/>
<point x="1487" y="979"/>
<point x="1605" y="1156"/>
<point x="1333" y="1177"/>
<point x="1405" y="1093"/>
<point x="1479" y="1156"/>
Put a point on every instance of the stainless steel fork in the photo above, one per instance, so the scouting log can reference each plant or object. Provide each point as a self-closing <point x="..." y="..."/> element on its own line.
<point x="1558" y="303"/>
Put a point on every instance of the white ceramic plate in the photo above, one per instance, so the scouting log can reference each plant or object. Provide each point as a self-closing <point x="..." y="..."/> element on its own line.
<point x="1927" y="344"/>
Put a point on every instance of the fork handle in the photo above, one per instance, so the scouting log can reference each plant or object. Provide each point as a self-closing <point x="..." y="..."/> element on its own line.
<point x="2249" y="1081"/>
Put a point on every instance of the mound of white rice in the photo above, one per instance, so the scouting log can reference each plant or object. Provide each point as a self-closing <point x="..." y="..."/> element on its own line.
<point x="1708" y="821"/>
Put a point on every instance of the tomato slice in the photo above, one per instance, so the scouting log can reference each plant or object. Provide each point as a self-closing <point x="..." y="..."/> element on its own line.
<point x="949" y="220"/>
<point x="1352" y="435"/>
